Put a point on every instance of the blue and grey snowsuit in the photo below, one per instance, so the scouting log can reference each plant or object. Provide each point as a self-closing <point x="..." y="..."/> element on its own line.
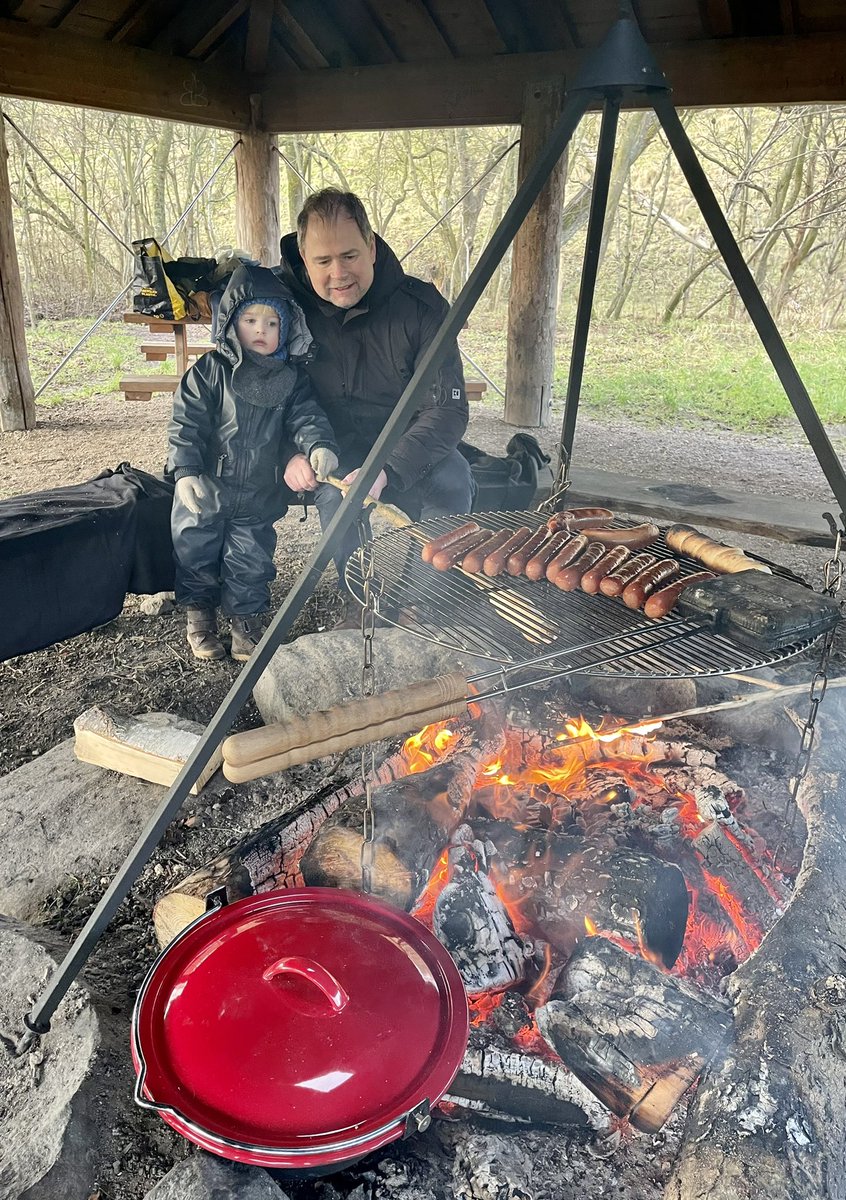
<point x="240" y="445"/>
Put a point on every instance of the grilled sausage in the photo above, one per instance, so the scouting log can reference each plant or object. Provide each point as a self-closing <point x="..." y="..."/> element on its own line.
<point x="430" y="549"/>
<point x="648" y="580"/>
<point x="453" y="554"/>
<point x="568" y="578"/>
<point x="516" y="563"/>
<point x="575" y="518"/>
<point x="610" y="561"/>
<point x="615" y="581"/>
<point x="537" y="564"/>
<point x="566" y="555"/>
<point x="660" y="603"/>
<point x="634" y="537"/>
<point x="495" y="562"/>
<point x="474" y="561"/>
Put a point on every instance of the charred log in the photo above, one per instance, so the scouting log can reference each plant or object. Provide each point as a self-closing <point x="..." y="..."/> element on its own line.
<point x="635" y="1036"/>
<point x="472" y="922"/>
<point x="624" y="892"/>
<point x="768" y="1118"/>
<point x="266" y="859"/>
<point x="414" y="818"/>
<point x="526" y="1087"/>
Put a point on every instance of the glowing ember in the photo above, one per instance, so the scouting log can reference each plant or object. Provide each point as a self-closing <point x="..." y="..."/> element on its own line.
<point x="572" y="785"/>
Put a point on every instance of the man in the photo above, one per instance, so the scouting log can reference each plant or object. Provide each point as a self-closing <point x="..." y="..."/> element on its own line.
<point x="371" y="324"/>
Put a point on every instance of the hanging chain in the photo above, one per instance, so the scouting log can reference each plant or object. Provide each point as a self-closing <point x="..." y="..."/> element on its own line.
<point x="832" y="582"/>
<point x="368" y="687"/>
<point x="561" y="484"/>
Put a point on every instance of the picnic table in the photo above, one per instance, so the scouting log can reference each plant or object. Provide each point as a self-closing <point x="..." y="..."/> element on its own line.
<point x="142" y="387"/>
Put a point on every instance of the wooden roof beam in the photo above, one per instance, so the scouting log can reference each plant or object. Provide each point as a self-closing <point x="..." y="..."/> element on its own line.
<point x="487" y="91"/>
<point x="47" y="64"/>
<point x="257" y="46"/>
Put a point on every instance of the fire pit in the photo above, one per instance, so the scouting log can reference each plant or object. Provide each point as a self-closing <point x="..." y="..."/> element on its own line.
<point x="590" y="884"/>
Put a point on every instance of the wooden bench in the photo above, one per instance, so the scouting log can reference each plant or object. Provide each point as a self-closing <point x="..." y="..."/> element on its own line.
<point x="799" y="522"/>
<point x="159" y="351"/>
<point x="474" y="388"/>
<point x="142" y="387"/>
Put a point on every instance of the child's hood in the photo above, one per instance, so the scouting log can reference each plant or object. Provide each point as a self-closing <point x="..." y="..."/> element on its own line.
<point x="258" y="283"/>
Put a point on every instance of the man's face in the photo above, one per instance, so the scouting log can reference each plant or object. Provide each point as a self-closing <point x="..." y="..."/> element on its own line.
<point x="338" y="260"/>
<point x="258" y="329"/>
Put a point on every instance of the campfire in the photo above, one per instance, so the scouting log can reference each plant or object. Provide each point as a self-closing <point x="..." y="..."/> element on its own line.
<point x="594" y="886"/>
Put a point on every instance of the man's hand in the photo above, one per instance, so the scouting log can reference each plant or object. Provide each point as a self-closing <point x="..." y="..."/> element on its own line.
<point x="298" y="474"/>
<point x="323" y="462"/>
<point x="193" y="492"/>
<point x="376" y="488"/>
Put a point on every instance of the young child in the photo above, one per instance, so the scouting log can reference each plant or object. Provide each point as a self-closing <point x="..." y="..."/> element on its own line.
<point x="235" y="414"/>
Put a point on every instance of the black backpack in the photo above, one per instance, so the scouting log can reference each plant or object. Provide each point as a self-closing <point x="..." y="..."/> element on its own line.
<point x="520" y="480"/>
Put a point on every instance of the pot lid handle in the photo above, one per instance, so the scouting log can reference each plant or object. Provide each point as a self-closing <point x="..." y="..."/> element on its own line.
<point x="308" y="969"/>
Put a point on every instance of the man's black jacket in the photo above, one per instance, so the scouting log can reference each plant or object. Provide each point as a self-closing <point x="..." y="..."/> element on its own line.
<point x="364" y="356"/>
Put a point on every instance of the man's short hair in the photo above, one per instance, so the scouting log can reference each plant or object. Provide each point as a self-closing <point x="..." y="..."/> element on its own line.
<point x="330" y="204"/>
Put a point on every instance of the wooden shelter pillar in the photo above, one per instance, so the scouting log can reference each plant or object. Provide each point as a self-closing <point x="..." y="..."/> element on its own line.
<point x="17" y="402"/>
<point x="257" y="197"/>
<point x="533" y="303"/>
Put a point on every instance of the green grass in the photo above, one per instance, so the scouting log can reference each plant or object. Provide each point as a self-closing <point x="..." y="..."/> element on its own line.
<point x="686" y="372"/>
<point x="95" y="369"/>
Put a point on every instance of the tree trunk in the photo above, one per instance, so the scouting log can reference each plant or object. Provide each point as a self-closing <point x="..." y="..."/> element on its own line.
<point x="17" y="402"/>
<point x="768" y="1118"/>
<point x="534" y="271"/>
<point x="257" y="197"/>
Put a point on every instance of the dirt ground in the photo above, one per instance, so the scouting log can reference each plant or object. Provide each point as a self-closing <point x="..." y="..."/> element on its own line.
<point x="138" y="663"/>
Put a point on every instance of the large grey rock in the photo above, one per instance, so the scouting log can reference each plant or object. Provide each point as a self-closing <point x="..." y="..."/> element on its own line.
<point x="320" y="670"/>
<point x="61" y="817"/>
<point x="633" y="698"/>
<point x="52" y="1097"/>
<point x="204" y="1177"/>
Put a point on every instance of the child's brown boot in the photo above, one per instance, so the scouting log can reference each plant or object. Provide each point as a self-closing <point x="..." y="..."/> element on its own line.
<point x="202" y="634"/>
<point x="246" y="634"/>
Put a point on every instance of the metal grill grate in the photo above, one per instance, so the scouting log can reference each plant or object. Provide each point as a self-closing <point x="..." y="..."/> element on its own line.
<point x="516" y="621"/>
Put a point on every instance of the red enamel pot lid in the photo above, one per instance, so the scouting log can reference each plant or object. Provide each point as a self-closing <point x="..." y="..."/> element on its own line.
<point x="299" y="1027"/>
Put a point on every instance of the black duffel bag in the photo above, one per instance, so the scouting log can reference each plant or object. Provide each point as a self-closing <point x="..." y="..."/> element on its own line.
<point x="69" y="556"/>
<point x="519" y="481"/>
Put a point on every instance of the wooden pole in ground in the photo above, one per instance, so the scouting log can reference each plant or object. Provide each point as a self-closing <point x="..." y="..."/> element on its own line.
<point x="533" y="301"/>
<point x="257" y="197"/>
<point x="17" y="401"/>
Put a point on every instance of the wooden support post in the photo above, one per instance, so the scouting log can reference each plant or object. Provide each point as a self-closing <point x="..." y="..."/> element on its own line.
<point x="17" y="402"/>
<point x="257" y="197"/>
<point x="534" y="270"/>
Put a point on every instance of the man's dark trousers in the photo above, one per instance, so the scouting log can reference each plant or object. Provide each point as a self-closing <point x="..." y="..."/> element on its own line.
<point x="448" y="488"/>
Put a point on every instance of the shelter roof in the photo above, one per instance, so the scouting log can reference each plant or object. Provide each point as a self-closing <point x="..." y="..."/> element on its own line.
<point x="353" y="64"/>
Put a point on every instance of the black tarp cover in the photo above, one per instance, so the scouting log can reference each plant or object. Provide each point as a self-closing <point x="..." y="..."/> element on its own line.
<point x="69" y="556"/>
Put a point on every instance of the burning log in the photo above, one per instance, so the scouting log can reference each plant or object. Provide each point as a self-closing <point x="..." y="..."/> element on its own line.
<point x="635" y="1036"/>
<point x="472" y="922"/>
<point x="414" y="819"/>
<point x="268" y="858"/>
<point x="767" y="1119"/>
<point x="525" y="1087"/>
<point x="621" y="891"/>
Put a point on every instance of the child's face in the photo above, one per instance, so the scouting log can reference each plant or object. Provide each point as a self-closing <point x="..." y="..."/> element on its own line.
<point x="258" y="329"/>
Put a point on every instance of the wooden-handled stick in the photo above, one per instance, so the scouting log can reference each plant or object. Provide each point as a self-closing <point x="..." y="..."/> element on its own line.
<point x="367" y="719"/>
<point x="390" y="513"/>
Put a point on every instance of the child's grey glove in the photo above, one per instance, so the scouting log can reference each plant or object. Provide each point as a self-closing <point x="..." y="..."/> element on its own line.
<point x="323" y="462"/>
<point x="193" y="492"/>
